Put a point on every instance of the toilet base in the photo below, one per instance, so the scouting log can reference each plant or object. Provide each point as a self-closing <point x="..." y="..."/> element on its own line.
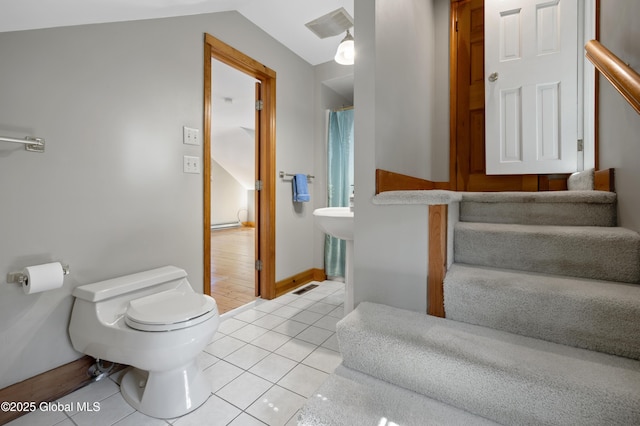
<point x="166" y="394"/>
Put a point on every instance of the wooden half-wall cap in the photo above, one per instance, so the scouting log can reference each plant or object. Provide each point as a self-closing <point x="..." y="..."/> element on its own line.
<point x="391" y="181"/>
<point x="624" y="78"/>
<point x="604" y="180"/>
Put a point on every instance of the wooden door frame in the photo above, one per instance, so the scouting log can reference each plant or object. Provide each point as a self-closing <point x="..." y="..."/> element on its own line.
<point x="453" y="95"/>
<point x="453" y="100"/>
<point x="265" y="161"/>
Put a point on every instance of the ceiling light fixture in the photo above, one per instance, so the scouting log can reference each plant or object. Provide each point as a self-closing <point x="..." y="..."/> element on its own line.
<point x="346" y="51"/>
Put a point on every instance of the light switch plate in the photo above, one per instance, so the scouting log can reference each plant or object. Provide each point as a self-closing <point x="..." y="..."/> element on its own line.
<point x="191" y="164"/>
<point x="190" y="136"/>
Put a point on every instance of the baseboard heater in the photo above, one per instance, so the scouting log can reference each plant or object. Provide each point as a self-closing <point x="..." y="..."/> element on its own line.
<point x="225" y="225"/>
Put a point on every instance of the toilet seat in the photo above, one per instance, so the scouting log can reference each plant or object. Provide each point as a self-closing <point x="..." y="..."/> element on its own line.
<point x="169" y="310"/>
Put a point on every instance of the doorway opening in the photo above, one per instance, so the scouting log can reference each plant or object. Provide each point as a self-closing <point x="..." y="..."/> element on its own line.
<point x="468" y="81"/>
<point x="252" y="203"/>
<point x="233" y="177"/>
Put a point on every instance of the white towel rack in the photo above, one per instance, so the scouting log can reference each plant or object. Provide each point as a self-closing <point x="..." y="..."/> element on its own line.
<point x="30" y="144"/>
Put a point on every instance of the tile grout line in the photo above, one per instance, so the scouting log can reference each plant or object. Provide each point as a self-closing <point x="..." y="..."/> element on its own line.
<point x="270" y="352"/>
<point x="289" y="307"/>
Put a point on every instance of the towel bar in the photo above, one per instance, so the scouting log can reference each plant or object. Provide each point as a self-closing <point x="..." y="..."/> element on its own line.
<point x="283" y="175"/>
<point x="30" y="144"/>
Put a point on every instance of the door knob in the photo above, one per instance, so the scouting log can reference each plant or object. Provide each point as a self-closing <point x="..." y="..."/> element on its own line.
<point x="493" y="77"/>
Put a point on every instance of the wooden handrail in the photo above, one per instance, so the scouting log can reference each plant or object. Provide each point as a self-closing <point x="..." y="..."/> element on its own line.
<point x="624" y="78"/>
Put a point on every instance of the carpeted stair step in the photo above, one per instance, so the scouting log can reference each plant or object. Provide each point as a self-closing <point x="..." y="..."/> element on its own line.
<point x="602" y="253"/>
<point x="504" y="377"/>
<point x="351" y="398"/>
<point x="568" y="208"/>
<point x="597" y="315"/>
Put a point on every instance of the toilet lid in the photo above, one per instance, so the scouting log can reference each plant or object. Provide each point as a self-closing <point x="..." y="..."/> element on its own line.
<point x="169" y="310"/>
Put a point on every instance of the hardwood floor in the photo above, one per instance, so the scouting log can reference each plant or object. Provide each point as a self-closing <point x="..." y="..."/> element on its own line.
<point x="232" y="267"/>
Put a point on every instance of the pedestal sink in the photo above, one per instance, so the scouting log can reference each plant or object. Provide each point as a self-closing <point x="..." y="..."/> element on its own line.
<point x="338" y="222"/>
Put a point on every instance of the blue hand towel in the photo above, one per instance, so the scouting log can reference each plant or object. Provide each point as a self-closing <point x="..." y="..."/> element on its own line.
<point x="300" y="190"/>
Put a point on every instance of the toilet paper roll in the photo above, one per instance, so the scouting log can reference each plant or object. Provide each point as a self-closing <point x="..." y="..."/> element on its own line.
<point x="43" y="277"/>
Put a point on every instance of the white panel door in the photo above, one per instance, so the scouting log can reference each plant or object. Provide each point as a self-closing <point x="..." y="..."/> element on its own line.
<point x="531" y="87"/>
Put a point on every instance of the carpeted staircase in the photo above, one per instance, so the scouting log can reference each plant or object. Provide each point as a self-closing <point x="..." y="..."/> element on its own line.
<point x="542" y="326"/>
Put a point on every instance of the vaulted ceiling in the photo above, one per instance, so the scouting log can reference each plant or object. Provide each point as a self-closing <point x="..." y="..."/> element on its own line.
<point x="284" y="20"/>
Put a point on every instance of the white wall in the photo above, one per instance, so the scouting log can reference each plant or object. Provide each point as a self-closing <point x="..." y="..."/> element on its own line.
<point x="251" y="206"/>
<point x="619" y="123"/>
<point x="108" y="196"/>
<point x="396" y="110"/>
<point x="228" y="197"/>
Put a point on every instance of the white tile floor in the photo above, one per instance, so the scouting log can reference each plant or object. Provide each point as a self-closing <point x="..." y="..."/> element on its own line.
<point x="263" y="364"/>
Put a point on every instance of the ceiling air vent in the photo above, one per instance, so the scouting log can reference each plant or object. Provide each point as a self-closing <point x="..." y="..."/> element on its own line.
<point x="331" y="24"/>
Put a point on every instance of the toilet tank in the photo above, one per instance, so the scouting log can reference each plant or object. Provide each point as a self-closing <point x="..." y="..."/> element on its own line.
<point x="114" y="287"/>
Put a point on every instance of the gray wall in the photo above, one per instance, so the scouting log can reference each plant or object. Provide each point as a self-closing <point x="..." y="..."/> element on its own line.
<point x="619" y="123"/>
<point x="398" y="109"/>
<point x="108" y="196"/>
<point x="412" y="92"/>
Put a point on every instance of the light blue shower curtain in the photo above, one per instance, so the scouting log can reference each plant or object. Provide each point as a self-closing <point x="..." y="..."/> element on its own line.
<point x="339" y="181"/>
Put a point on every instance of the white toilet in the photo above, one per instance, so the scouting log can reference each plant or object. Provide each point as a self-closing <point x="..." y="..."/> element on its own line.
<point x="155" y="322"/>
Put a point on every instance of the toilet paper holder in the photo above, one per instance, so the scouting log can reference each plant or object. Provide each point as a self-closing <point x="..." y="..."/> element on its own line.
<point x="20" y="278"/>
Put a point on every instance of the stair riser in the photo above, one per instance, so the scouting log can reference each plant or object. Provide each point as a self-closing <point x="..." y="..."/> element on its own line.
<point x="565" y="214"/>
<point x="509" y="379"/>
<point x="595" y="315"/>
<point x="554" y="251"/>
